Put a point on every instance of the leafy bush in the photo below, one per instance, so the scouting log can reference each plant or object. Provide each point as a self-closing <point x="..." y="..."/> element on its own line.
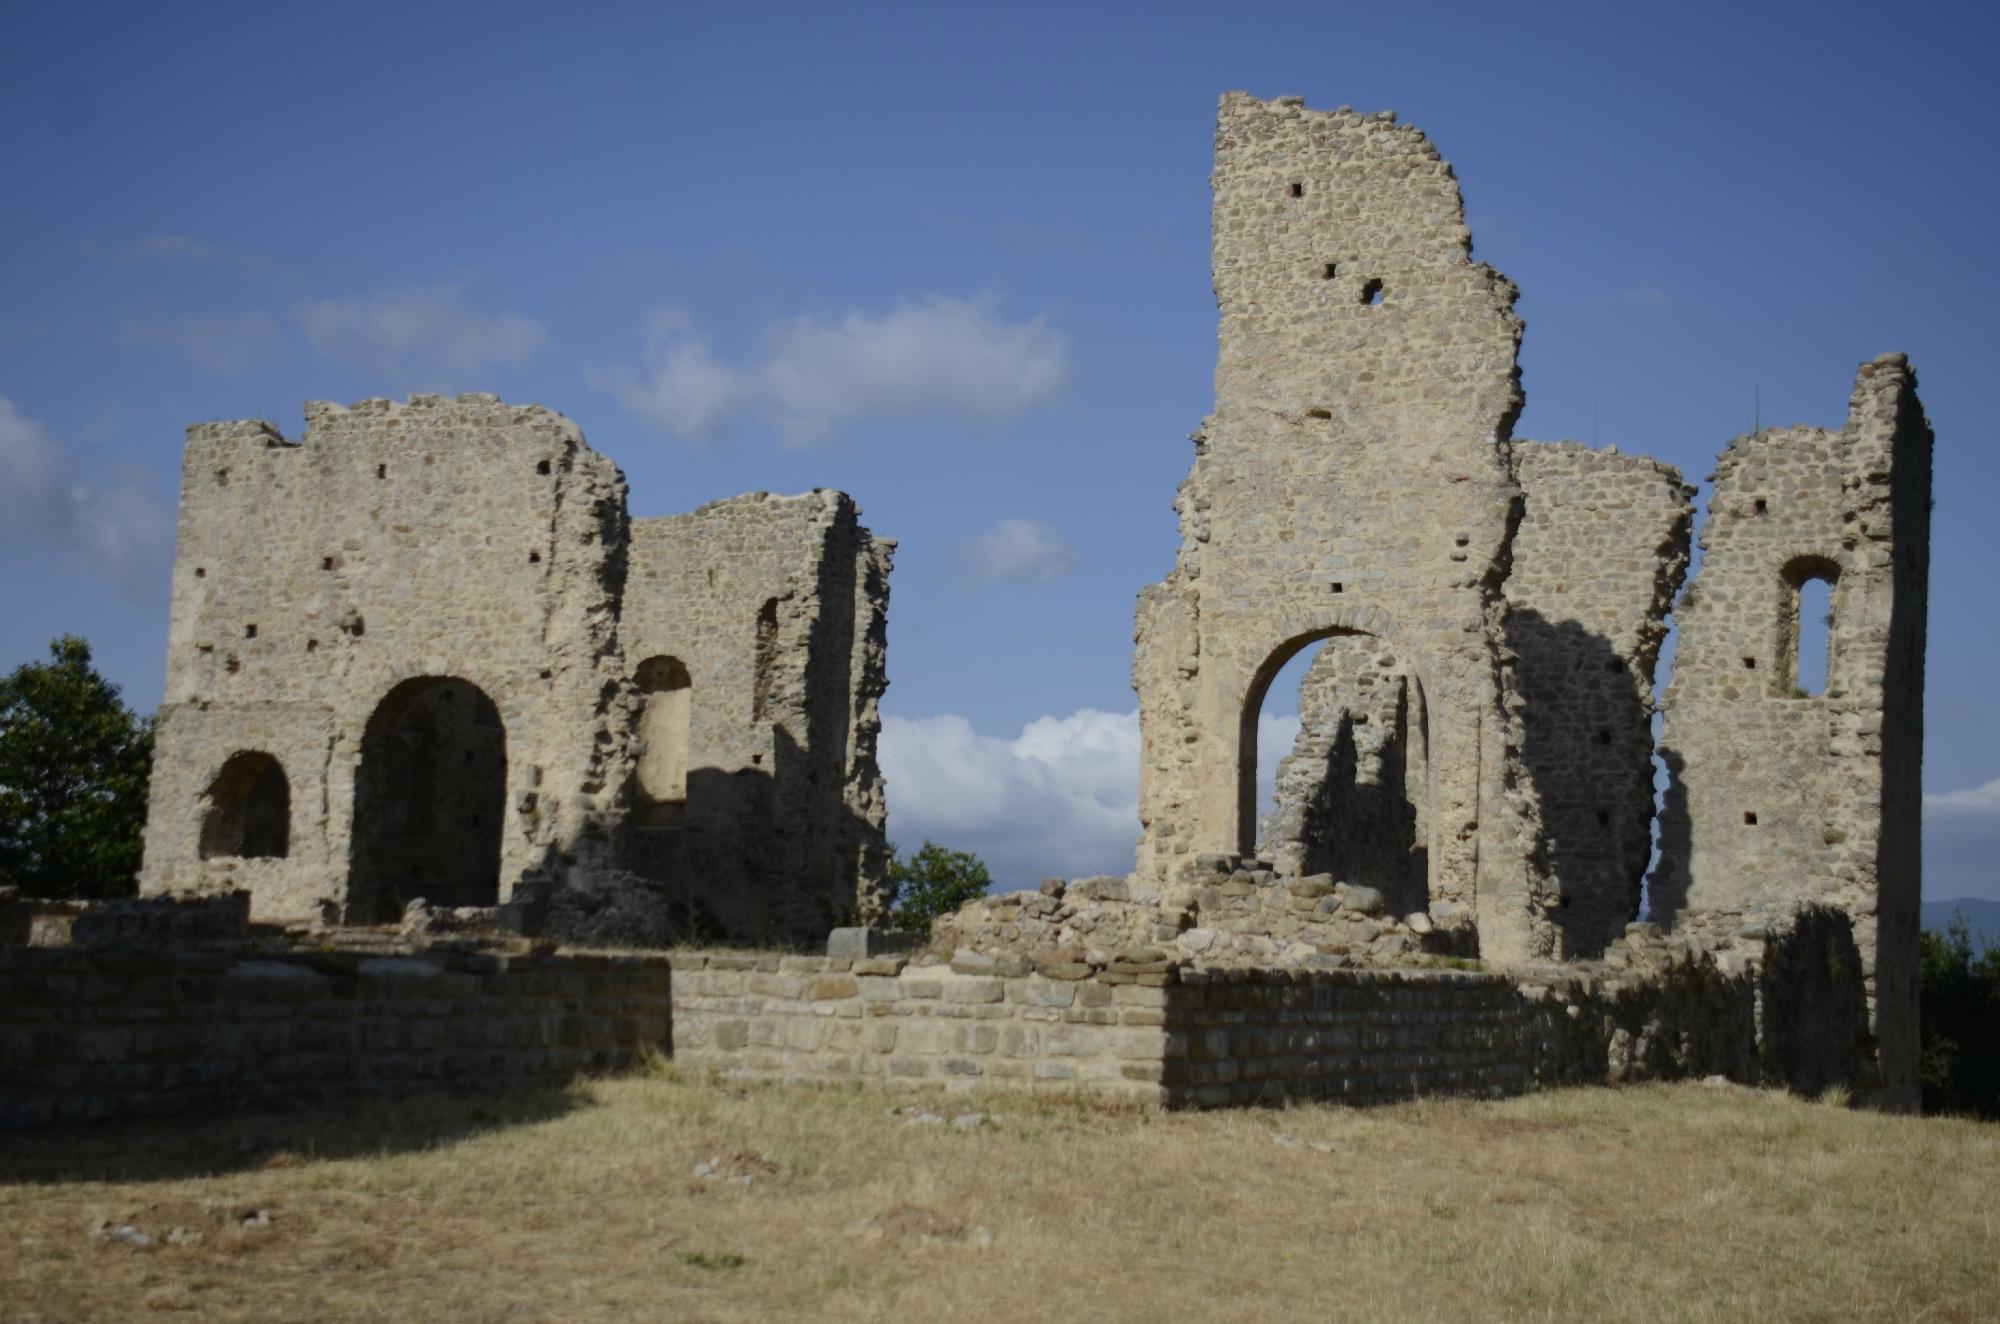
<point x="1960" y="998"/>
<point x="934" y="881"/>
<point x="73" y="767"/>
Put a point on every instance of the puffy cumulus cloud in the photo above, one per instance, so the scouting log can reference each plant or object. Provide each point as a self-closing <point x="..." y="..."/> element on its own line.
<point x="117" y="524"/>
<point x="1019" y="551"/>
<point x="940" y="360"/>
<point x="226" y="344"/>
<point x="424" y="337"/>
<point x="1972" y="802"/>
<point x="1061" y="798"/>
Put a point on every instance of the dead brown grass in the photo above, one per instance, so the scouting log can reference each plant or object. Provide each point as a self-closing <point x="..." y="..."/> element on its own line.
<point x="1665" y="1203"/>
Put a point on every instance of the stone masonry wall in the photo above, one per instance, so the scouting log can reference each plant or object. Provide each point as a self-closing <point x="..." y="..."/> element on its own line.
<point x="443" y="538"/>
<point x="775" y="607"/>
<point x="1780" y="798"/>
<point x="1349" y="482"/>
<point x="1597" y="560"/>
<point x="440" y="622"/>
<point x="1174" y="1033"/>
<point x="91" y="1034"/>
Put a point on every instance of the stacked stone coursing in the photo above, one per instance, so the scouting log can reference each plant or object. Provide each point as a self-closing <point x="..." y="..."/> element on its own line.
<point x="1779" y="797"/>
<point x="404" y="662"/>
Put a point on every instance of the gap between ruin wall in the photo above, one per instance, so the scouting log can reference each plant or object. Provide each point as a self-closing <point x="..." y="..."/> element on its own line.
<point x="90" y="1035"/>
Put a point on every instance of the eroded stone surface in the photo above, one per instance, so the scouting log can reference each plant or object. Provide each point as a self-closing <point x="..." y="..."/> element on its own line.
<point x="434" y="621"/>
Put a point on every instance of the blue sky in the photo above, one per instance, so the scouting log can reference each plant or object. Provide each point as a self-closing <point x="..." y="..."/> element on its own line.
<point x="954" y="260"/>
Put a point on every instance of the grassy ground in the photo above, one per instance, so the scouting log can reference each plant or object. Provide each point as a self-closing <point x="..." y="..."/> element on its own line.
<point x="1665" y="1203"/>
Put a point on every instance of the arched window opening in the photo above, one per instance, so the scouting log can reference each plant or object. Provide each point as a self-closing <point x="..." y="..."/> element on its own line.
<point x="430" y="797"/>
<point x="1336" y="761"/>
<point x="249" y="813"/>
<point x="667" y="699"/>
<point x="1806" y="630"/>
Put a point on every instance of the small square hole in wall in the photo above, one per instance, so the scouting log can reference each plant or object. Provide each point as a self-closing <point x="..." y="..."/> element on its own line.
<point x="1604" y="818"/>
<point x="1603" y="737"/>
<point x="1329" y="271"/>
<point x="1750" y="819"/>
<point x="1749" y="664"/>
<point x="1336" y="587"/>
<point x="1371" y="294"/>
<point x="1763" y="507"/>
<point x="1323" y="415"/>
<point x="381" y="471"/>
<point x="200" y="573"/>
<point x="326" y="563"/>
<point x="312" y="645"/>
<point x="542" y="467"/>
<point x="249" y="632"/>
<point x="1298" y="190"/>
<point x="534" y="558"/>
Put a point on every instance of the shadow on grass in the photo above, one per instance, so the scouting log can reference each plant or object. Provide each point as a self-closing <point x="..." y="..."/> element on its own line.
<point x="171" y="1149"/>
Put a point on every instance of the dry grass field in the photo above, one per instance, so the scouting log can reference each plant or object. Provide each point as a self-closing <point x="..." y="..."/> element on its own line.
<point x="1678" y="1203"/>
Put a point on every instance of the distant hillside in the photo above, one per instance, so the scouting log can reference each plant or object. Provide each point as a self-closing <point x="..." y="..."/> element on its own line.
<point x="1983" y="916"/>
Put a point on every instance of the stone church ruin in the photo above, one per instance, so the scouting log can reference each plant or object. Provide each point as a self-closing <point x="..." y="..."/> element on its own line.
<point x="426" y="654"/>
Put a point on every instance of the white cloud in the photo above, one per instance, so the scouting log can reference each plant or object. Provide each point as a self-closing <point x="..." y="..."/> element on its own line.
<point x="1020" y="551"/>
<point x="941" y="360"/>
<point x="222" y="343"/>
<point x="425" y="336"/>
<point x="1972" y="802"/>
<point x="176" y="247"/>
<point x="1061" y="798"/>
<point x="117" y="524"/>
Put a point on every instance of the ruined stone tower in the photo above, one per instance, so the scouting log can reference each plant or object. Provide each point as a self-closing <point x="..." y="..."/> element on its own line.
<point x="425" y="653"/>
<point x="1350" y="483"/>
<point x="1780" y="796"/>
<point x="1476" y="742"/>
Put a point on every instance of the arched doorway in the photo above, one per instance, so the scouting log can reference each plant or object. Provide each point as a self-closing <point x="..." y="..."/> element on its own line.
<point x="429" y="799"/>
<point x="1351" y="795"/>
<point x="249" y="809"/>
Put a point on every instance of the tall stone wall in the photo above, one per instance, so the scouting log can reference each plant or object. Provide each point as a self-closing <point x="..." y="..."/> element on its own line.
<point x="426" y="653"/>
<point x="774" y="609"/>
<point x="1781" y="798"/>
<point x="1600" y="553"/>
<point x="1348" y="483"/>
<point x="443" y="539"/>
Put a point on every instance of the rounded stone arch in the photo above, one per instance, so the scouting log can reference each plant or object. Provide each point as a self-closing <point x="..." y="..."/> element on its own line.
<point x="660" y="772"/>
<point x="430" y="800"/>
<point x="1295" y="634"/>
<point x="1259" y="691"/>
<point x="1794" y="628"/>
<point x="247" y="809"/>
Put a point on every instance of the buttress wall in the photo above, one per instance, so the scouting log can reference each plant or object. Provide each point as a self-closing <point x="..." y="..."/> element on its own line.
<point x="1348" y="482"/>
<point x="1600" y="553"/>
<point x="1780" y="797"/>
<point x="445" y="539"/>
<point x="769" y="612"/>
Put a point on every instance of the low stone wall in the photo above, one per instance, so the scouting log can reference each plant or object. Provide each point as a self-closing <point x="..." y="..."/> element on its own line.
<point x="811" y="1018"/>
<point x="95" y="1033"/>
<point x="1179" y="1035"/>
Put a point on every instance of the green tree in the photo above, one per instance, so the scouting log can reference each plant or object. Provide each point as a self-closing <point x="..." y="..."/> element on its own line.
<point x="931" y="882"/>
<point x="1960" y="1000"/>
<point x="73" y="767"/>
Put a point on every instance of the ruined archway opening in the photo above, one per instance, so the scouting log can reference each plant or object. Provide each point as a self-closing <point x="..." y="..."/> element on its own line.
<point x="666" y="696"/>
<point x="1348" y="792"/>
<point x="429" y="800"/>
<point x="1806" y="626"/>
<point x="248" y="811"/>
